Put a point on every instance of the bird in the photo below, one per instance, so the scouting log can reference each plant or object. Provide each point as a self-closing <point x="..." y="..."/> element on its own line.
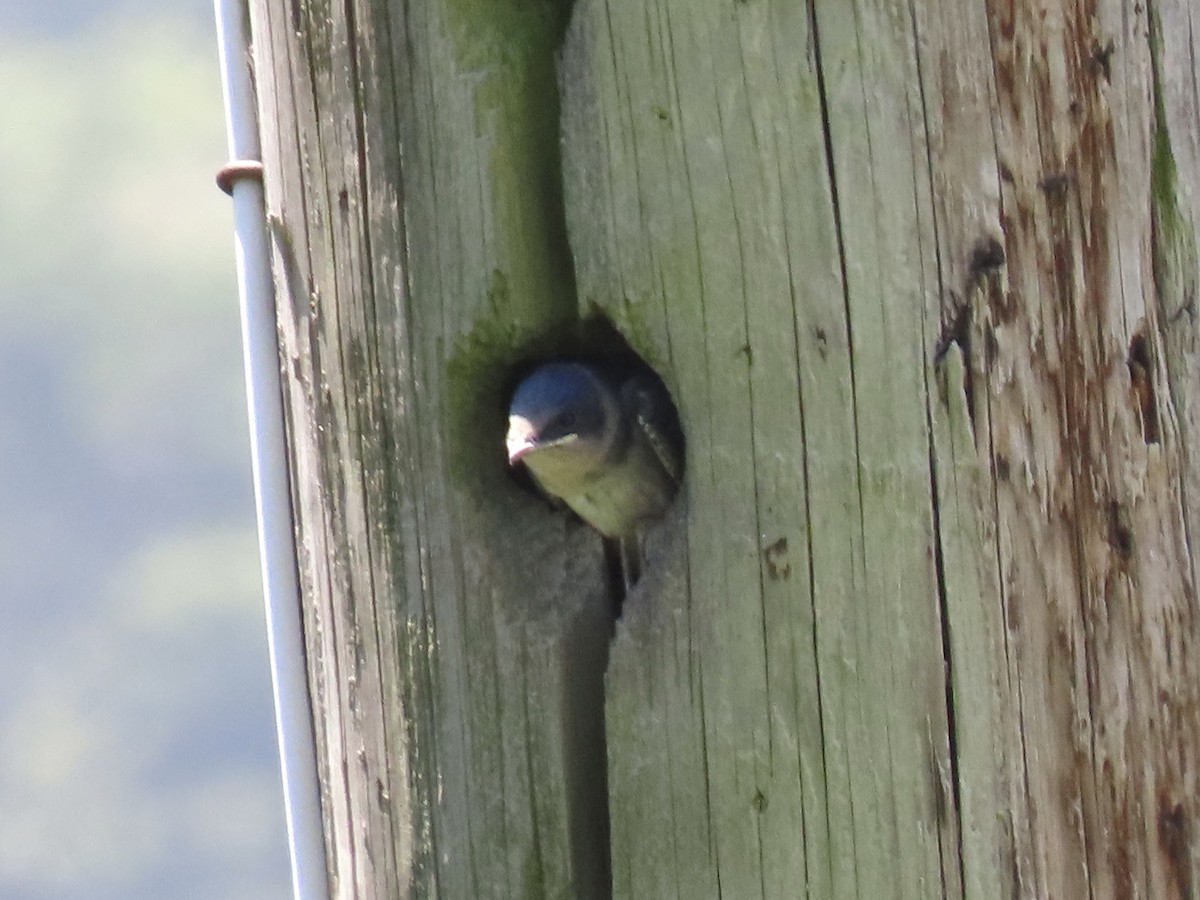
<point x="606" y="443"/>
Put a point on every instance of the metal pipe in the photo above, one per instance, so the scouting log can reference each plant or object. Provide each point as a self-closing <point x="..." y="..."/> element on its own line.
<point x="285" y="636"/>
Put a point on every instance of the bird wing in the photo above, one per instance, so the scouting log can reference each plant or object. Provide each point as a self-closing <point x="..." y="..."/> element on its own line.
<point x="654" y="415"/>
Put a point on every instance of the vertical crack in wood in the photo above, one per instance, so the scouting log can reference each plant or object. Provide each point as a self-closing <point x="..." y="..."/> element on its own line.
<point x="943" y="607"/>
<point x="958" y="332"/>
<point x="831" y="178"/>
<point x="585" y="740"/>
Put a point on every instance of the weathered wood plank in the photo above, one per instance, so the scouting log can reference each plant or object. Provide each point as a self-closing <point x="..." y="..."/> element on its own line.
<point x="1095" y="567"/>
<point x="880" y="160"/>
<point x="457" y="632"/>
<point x="796" y="330"/>
<point x="1009" y="217"/>
<point x="1175" y="188"/>
<point x="922" y="277"/>
<point x="958" y="99"/>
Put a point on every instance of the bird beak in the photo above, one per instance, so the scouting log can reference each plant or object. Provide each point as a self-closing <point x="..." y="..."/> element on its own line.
<point x="518" y="451"/>
<point x="521" y="440"/>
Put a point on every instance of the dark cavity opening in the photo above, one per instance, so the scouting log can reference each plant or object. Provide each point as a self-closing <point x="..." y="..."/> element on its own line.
<point x="1141" y="379"/>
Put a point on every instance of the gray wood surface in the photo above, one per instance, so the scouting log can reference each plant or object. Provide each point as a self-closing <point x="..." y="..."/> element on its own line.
<point x="922" y="277"/>
<point x="457" y="629"/>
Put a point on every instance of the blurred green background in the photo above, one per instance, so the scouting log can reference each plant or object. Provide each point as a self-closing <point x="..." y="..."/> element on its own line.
<point x="137" y="755"/>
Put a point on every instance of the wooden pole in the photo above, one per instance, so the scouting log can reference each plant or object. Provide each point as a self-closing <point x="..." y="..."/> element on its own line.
<point x="922" y="278"/>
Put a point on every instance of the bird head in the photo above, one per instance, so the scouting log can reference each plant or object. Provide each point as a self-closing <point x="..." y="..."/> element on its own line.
<point x="561" y="414"/>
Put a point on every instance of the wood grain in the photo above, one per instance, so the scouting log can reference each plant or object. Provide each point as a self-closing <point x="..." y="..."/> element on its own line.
<point x="457" y="629"/>
<point x="922" y="277"/>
